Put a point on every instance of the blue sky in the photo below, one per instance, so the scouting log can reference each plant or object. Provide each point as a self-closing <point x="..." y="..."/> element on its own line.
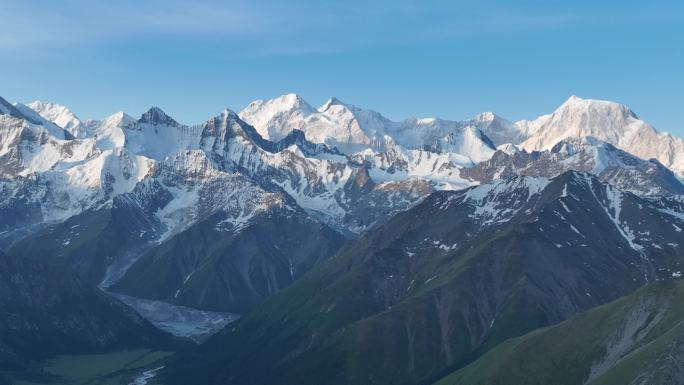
<point x="450" y="59"/>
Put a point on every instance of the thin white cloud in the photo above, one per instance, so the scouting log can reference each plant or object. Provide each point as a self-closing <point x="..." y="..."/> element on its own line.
<point x="258" y="26"/>
<point x="29" y="23"/>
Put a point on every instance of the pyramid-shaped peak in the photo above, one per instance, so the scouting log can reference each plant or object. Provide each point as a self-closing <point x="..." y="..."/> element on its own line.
<point x="119" y="119"/>
<point x="288" y="102"/>
<point x="486" y="116"/>
<point x="226" y="118"/>
<point x="333" y="101"/>
<point x="228" y="114"/>
<point x="155" y="116"/>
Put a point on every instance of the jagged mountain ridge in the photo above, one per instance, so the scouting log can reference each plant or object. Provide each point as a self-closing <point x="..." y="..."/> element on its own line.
<point x="337" y="122"/>
<point x="126" y="150"/>
<point x="131" y="187"/>
<point x="587" y="154"/>
<point x="445" y="281"/>
<point x="354" y="129"/>
<point x="174" y="179"/>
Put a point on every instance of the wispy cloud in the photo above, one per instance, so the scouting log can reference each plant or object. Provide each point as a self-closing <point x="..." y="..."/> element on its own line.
<point x="30" y="22"/>
<point x="269" y="26"/>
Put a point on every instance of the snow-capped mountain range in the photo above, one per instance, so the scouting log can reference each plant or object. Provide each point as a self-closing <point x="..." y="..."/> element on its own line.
<point x="316" y="155"/>
<point x="333" y="171"/>
<point x="352" y="129"/>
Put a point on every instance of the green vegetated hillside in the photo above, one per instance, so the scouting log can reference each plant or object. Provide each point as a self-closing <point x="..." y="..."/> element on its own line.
<point x="112" y="368"/>
<point x="46" y="311"/>
<point x="637" y="340"/>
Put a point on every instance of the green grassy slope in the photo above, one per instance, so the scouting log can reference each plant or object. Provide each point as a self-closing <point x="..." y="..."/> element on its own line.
<point x="112" y="368"/>
<point x="624" y="341"/>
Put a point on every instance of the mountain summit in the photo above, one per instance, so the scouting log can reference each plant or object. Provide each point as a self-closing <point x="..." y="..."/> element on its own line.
<point x="155" y="116"/>
<point x="611" y="122"/>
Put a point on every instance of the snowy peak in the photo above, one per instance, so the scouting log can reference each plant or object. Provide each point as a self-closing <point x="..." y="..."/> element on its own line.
<point x="484" y="119"/>
<point x="57" y="114"/>
<point x="274" y="119"/>
<point x="119" y="119"/>
<point x="508" y="148"/>
<point x="291" y="102"/>
<point x="370" y="121"/>
<point x="41" y="129"/>
<point x="282" y="104"/>
<point x="610" y="122"/>
<point x="595" y="114"/>
<point x="335" y="124"/>
<point x="585" y="154"/>
<point x="595" y="106"/>
<point x="577" y="117"/>
<point x="499" y="130"/>
<point x="227" y="125"/>
<point x="156" y="117"/>
<point x="229" y="118"/>
<point x="333" y="101"/>
<point x="486" y="116"/>
<point x="6" y="108"/>
<point x="352" y="129"/>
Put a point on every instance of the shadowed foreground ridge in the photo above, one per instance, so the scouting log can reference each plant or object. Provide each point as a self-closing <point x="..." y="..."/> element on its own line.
<point x="445" y="282"/>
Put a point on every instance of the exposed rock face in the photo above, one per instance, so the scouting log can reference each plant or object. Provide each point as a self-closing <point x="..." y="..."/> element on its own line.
<point x="609" y="163"/>
<point x="633" y="340"/>
<point x="666" y="368"/>
<point x="220" y="265"/>
<point x="156" y="117"/>
<point x="454" y="276"/>
<point x="48" y="311"/>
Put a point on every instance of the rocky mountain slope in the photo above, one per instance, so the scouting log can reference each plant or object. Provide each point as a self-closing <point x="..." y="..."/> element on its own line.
<point x="610" y="164"/>
<point x="217" y="266"/>
<point x="447" y="280"/>
<point x="636" y="340"/>
<point x="47" y="310"/>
